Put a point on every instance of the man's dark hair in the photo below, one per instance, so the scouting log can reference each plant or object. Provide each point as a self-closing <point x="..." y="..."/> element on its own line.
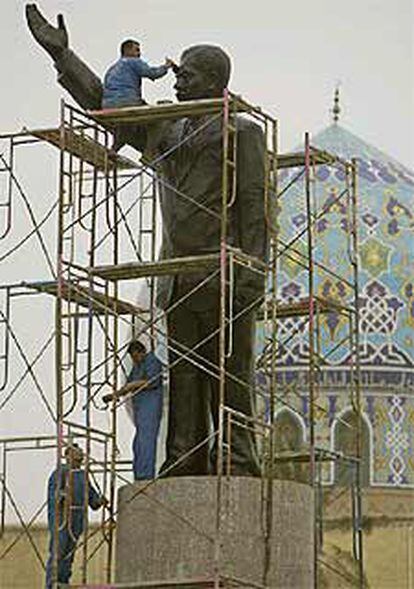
<point x="72" y="446"/>
<point x="211" y="60"/>
<point x="127" y="44"/>
<point x="136" y="346"/>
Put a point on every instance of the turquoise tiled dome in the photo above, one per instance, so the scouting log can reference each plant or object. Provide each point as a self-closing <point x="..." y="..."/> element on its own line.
<point x="386" y="256"/>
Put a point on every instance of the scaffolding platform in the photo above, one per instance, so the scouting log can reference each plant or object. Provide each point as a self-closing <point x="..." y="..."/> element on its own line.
<point x="184" y="265"/>
<point x="301" y="308"/>
<point x="316" y="156"/>
<point x="194" y="108"/>
<point x="74" y="293"/>
<point x="181" y="265"/>
<point x="320" y="454"/>
<point x="169" y="112"/>
<point x="78" y="144"/>
<point x="224" y="582"/>
<point x="98" y="156"/>
<point x="86" y="149"/>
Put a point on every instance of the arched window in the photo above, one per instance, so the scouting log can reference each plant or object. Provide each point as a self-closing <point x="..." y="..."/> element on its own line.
<point x="345" y="440"/>
<point x="288" y="437"/>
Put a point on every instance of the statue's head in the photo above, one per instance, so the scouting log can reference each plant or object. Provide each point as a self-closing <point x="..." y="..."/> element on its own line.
<point x="204" y="72"/>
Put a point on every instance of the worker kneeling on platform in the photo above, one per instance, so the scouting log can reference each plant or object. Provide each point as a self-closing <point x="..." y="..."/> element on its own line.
<point x="71" y="493"/>
<point x="145" y="384"/>
<point x="123" y="84"/>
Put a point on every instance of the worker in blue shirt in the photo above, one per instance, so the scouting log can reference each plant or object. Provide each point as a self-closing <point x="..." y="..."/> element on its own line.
<point x="123" y="80"/>
<point x="145" y="383"/>
<point x="72" y="486"/>
<point x="123" y="83"/>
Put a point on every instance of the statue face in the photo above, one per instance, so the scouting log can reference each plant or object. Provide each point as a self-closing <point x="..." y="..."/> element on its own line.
<point x="192" y="83"/>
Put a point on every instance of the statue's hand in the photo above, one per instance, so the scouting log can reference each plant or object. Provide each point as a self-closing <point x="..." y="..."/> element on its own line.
<point x="53" y="39"/>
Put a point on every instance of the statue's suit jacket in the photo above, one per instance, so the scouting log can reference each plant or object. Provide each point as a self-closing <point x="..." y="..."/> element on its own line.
<point x="191" y="175"/>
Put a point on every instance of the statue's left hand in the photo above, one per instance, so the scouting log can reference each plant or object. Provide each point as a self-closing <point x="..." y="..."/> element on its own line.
<point x="53" y="39"/>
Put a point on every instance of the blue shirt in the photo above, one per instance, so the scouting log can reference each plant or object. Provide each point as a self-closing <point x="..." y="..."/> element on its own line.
<point x="149" y="369"/>
<point x="122" y="82"/>
<point x="72" y="499"/>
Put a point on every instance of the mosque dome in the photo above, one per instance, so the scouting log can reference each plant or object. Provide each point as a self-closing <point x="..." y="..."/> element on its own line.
<point x="385" y="230"/>
<point x="386" y="257"/>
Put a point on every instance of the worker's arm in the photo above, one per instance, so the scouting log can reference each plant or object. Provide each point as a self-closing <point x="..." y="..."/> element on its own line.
<point x="51" y="494"/>
<point x="153" y="372"/>
<point x="144" y="70"/>
<point x="51" y="486"/>
<point x="152" y="380"/>
<point x="129" y="387"/>
<point x="95" y="499"/>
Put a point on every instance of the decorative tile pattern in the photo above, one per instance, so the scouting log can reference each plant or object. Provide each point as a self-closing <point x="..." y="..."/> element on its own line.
<point x="386" y="249"/>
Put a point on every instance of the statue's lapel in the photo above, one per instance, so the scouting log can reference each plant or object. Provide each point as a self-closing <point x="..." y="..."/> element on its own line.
<point x="194" y="144"/>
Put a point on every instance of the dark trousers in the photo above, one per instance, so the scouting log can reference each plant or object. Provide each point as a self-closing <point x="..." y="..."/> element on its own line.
<point x="129" y="134"/>
<point x="147" y="417"/>
<point x="194" y="392"/>
<point x="66" y="554"/>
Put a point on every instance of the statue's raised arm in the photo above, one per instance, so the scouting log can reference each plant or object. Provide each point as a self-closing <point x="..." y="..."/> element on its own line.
<point x="53" y="39"/>
<point x="73" y="74"/>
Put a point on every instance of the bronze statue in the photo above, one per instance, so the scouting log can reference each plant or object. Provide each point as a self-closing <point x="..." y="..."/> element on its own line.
<point x="191" y="226"/>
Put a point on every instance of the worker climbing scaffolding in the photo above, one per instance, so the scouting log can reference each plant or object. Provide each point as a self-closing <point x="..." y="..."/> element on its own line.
<point x="71" y="512"/>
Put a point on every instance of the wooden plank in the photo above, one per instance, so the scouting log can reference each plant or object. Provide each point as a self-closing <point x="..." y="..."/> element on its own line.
<point x="101" y="303"/>
<point x="196" y="583"/>
<point x="183" y="265"/>
<point x="166" y="112"/>
<point x="321" y="455"/>
<point x="85" y="148"/>
<point x="297" y="159"/>
<point x="301" y="308"/>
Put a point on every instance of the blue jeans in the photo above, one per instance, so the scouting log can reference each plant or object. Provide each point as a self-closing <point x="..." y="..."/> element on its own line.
<point x="147" y="417"/>
<point x="66" y="554"/>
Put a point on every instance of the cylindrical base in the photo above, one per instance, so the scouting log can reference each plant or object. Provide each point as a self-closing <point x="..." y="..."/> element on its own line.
<point x="167" y="532"/>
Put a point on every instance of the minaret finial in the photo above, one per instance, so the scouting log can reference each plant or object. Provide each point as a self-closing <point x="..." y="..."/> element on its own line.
<point x="336" y="108"/>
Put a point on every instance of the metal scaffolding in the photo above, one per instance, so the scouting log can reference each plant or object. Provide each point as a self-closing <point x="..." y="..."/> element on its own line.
<point x="105" y="239"/>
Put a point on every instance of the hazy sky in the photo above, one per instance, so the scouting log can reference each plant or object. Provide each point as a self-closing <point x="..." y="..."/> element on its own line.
<point x="287" y="57"/>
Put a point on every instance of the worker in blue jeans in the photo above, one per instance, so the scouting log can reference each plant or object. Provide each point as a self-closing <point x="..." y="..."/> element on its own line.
<point x="144" y="382"/>
<point x="72" y="497"/>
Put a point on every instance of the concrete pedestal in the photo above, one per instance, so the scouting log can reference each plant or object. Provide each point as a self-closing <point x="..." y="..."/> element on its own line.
<point x="166" y="533"/>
